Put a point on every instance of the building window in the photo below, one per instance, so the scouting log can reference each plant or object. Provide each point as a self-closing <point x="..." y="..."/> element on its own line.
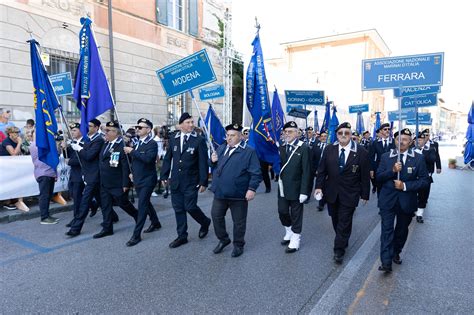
<point x="173" y="12"/>
<point x="176" y="107"/>
<point x="60" y="64"/>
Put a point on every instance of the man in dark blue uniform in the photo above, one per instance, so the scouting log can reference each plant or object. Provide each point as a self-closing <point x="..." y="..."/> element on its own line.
<point x="186" y="166"/>
<point x="294" y="185"/>
<point x="89" y="156"/>
<point x="316" y="154"/>
<point x="366" y="140"/>
<point x="435" y="146"/>
<point x="344" y="178"/>
<point x="76" y="183"/>
<point x="429" y="153"/>
<point x="401" y="180"/>
<point x="235" y="179"/>
<point x="143" y="155"/>
<point x="380" y="146"/>
<point x="114" y="179"/>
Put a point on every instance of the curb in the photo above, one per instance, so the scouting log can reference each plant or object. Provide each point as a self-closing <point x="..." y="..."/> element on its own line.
<point x="9" y="216"/>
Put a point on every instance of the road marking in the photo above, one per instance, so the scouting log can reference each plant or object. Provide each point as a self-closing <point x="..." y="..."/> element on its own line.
<point x="24" y="243"/>
<point x="342" y="283"/>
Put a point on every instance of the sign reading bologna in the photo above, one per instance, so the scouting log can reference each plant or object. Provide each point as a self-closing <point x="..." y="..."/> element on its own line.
<point x="404" y="71"/>
<point x="358" y="108"/>
<point x="211" y="92"/>
<point x="186" y="74"/>
<point x="305" y="97"/>
<point x="419" y="101"/>
<point x="62" y="83"/>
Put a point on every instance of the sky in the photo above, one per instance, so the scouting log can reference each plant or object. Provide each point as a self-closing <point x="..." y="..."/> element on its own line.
<point x="408" y="27"/>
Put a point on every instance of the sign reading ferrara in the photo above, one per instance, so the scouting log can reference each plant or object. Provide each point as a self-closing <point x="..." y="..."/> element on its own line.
<point x="403" y="71"/>
<point x="186" y="74"/>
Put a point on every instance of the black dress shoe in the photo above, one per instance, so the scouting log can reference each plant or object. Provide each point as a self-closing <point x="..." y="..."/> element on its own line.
<point x="115" y="219"/>
<point x="204" y="230"/>
<point x="385" y="268"/>
<point x="72" y="233"/>
<point x="268" y="190"/>
<point x="133" y="241"/>
<point x="290" y="250"/>
<point x="93" y="212"/>
<point x="103" y="234"/>
<point x="419" y="219"/>
<point x="221" y="246"/>
<point x="178" y="242"/>
<point x="397" y="259"/>
<point x="237" y="252"/>
<point x="165" y="195"/>
<point x="338" y="258"/>
<point x="153" y="227"/>
<point x="285" y="242"/>
<point x="69" y="224"/>
<point x="320" y="208"/>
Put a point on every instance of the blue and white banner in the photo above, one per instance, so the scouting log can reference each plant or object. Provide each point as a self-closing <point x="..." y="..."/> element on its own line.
<point x="419" y="101"/>
<point x="423" y="119"/>
<point x="211" y="92"/>
<point x="416" y="90"/>
<point x="405" y="114"/>
<point x="62" y="83"/>
<point x="305" y="97"/>
<point x="358" y="108"/>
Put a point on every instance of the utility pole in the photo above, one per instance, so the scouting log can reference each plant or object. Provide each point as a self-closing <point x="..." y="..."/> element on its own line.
<point x="111" y="53"/>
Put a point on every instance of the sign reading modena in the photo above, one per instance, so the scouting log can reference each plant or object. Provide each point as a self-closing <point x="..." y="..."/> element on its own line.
<point x="186" y="74"/>
<point x="404" y="71"/>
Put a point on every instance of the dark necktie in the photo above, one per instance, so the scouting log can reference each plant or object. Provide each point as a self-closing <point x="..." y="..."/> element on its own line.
<point x="186" y="137"/>
<point x="289" y="148"/>
<point x="342" y="160"/>
<point x="385" y="145"/>
<point x="227" y="154"/>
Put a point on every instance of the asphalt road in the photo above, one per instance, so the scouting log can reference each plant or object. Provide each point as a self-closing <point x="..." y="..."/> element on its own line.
<point x="42" y="271"/>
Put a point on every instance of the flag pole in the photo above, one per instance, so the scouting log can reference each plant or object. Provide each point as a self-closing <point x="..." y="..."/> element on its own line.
<point x="204" y="126"/>
<point x="399" y="128"/>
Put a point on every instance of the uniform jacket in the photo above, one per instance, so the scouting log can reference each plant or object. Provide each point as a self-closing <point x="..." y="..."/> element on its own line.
<point x="353" y="183"/>
<point x="114" y="177"/>
<point x="435" y="146"/>
<point x="296" y="175"/>
<point x="376" y="150"/>
<point x="232" y="176"/>
<point x="316" y="154"/>
<point x="189" y="168"/>
<point x="429" y="153"/>
<point x="75" y="176"/>
<point x="413" y="174"/>
<point x="144" y="162"/>
<point x="89" y="156"/>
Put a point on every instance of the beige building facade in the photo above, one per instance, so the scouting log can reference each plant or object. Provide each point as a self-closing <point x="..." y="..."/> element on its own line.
<point x="147" y="35"/>
<point x="333" y="64"/>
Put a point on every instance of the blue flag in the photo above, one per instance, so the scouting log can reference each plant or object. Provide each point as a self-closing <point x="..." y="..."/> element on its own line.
<point x="214" y="127"/>
<point x="91" y="89"/>
<point x="333" y="126"/>
<point x="360" y="123"/>
<point x="377" y="124"/>
<point x="258" y="104"/>
<point x="316" y="122"/>
<point x="327" y="118"/>
<point x="45" y="102"/>
<point x="278" y="117"/>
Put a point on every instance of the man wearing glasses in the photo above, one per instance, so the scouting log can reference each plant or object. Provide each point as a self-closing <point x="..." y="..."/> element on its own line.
<point x="343" y="177"/>
<point x="114" y="179"/>
<point x="143" y="155"/>
<point x="294" y="185"/>
<point x="245" y="134"/>
<point x="382" y="145"/>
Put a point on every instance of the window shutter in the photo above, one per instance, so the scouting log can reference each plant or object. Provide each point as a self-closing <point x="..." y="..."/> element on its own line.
<point x="162" y="12"/>
<point x="193" y="17"/>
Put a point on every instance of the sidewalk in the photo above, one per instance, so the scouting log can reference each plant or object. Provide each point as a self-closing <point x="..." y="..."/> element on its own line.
<point x="7" y="216"/>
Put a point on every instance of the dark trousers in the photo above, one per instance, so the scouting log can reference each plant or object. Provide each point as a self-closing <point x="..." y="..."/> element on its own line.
<point x="46" y="188"/>
<point x="76" y="189"/>
<point x="185" y="200"/>
<point x="109" y="197"/>
<point x="341" y="216"/>
<point x="291" y="214"/>
<point x="374" y="183"/>
<point x="90" y="191"/>
<point x="322" y="202"/>
<point x="144" y="208"/>
<point x="266" y="177"/>
<point x="393" y="239"/>
<point x="423" y="195"/>
<point x="238" y="210"/>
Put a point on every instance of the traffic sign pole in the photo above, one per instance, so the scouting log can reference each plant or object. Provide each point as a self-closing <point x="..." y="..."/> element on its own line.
<point x="202" y="119"/>
<point x="399" y="130"/>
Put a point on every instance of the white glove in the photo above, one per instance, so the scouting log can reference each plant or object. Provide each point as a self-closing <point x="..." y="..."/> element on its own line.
<point x="303" y="198"/>
<point x="76" y="147"/>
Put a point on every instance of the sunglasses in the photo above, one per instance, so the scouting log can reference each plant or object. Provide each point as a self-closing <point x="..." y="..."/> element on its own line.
<point x="140" y="127"/>
<point x="109" y="130"/>
<point x="345" y="133"/>
<point x="386" y="129"/>
<point x="246" y="133"/>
